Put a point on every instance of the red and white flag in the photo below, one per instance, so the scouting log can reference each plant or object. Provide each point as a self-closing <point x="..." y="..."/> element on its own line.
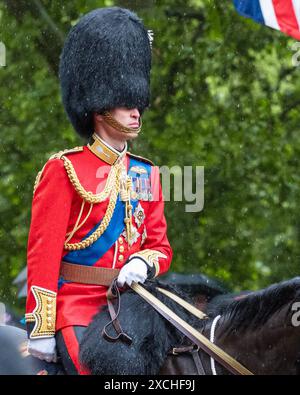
<point x="283" y="15"/>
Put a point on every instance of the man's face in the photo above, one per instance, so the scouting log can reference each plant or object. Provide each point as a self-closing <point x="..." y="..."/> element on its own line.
<point x="129" y="117"/>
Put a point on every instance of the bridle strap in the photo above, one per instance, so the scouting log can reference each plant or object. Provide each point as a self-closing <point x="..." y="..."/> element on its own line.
<point x="194" y="351"/>
<point x="113" y="293"/>
<point x="198" y="362"/>
<point x="187" y="306"/>
<point x="195" y="336"/>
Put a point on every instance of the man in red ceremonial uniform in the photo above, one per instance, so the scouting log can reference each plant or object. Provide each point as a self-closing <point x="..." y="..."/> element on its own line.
<point x="97" y="210"/>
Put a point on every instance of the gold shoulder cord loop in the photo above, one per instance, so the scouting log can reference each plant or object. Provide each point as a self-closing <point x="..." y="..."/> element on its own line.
<point x="58" y="155"/>
<point x="82" y="223"/>
<point x="111" y="189"/>
<point x="76" y="227"/>
<point x="85" y="195"/>
<point x="37" y="179"/>
<point x="105" y="221"/>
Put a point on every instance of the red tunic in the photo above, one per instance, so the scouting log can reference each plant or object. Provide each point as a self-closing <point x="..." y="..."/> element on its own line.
<point x="55" y="209"/>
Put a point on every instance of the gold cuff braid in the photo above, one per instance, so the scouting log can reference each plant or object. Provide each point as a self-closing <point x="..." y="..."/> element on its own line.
<point x="151" y="257"/>
<point x="44" y="314"/>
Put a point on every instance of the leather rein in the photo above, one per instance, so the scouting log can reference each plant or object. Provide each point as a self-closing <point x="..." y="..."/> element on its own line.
<point x="201" y="342"/>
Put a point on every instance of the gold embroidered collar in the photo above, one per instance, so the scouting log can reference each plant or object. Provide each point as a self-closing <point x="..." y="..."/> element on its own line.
<point x="104" y="151"/>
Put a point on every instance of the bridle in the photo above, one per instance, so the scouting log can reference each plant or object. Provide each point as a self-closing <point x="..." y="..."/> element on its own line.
<point x="195" y="351"/>
<point x="112" y="294"/>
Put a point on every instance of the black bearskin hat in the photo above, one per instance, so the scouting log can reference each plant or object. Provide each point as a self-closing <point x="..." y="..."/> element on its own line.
<point x="105" y="63"/>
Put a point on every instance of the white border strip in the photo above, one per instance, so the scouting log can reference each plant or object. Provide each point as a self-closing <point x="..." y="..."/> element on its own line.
<point x="296" y="5"/>
<point x="2" y="54"/>
<point x="268" y="11"/>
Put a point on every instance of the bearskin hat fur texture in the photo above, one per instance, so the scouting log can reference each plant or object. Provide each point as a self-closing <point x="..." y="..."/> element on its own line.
<point x="105" y="63"/>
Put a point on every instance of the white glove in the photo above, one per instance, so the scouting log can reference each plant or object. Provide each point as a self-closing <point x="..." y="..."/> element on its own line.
<point x="135" y="270"/>
<point x="44" y="349"/>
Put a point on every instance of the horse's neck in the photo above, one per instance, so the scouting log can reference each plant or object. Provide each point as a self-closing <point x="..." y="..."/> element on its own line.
<point x="210" y="366"/>
<point x="270" y="349"/>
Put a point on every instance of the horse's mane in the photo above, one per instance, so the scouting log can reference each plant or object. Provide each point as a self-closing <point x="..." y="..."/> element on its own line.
<point x="255" y="308"/>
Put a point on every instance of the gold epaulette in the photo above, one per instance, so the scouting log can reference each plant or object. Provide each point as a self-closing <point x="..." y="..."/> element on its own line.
<point x="141" y="158"/>
<point x="58" y="155"/>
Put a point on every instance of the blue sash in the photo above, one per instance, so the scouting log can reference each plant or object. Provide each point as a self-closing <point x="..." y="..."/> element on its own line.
<point x="90" y="255"/>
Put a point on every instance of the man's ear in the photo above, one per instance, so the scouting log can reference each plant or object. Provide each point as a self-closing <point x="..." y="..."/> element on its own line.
<point x="97" y="118"/>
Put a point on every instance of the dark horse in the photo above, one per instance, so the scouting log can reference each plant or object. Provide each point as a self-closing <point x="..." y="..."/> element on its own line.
<point x="259" y="329"/>
<point x="13" y="339"/>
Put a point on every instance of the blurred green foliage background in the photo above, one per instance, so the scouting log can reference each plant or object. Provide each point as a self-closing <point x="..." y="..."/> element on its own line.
<point x="225" y="95"/>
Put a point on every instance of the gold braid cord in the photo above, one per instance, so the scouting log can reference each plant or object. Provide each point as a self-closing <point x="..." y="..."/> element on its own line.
<point x="87" y="195"/>
<point x="117" y="125"/>
<point x="105" y="221"/>
<point x="58" y="155"/>
<point x="111" y="189"/>
<point x="37" y="180"/>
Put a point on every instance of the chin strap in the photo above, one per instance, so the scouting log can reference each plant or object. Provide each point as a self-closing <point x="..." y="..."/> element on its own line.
<point x="110" y="120"/>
